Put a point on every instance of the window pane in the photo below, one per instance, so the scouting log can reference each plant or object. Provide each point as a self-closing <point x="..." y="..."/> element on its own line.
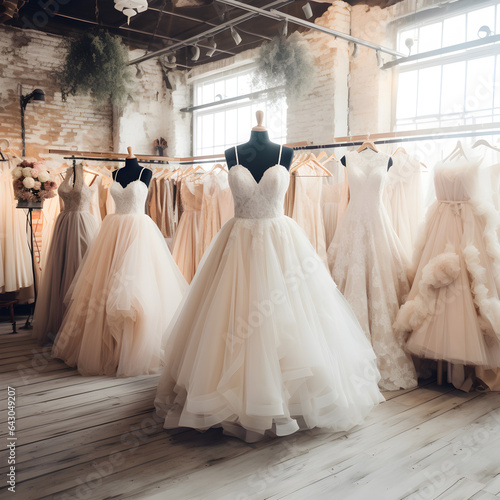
<point x="480" y="84"/>
<point x="429" y="86"/>
<point x="429" y="37"/>
<point x="454" y="30"/>
<point x="407" y="94"/>
<point x="478" y="18"/>
<point x="453" y="90"/>
<point x="208" y="93"/>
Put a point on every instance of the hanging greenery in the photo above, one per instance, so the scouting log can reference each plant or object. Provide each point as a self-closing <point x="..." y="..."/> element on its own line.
<point x="96" y="63"/>
<point x="285" y="62"/>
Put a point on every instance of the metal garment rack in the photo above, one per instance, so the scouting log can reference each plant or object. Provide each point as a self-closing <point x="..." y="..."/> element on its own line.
<point x="456" y="135"/>
<point x="91" y="158"/>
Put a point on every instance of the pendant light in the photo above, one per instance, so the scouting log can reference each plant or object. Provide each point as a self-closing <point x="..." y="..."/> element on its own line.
<point x="131" y="8"/>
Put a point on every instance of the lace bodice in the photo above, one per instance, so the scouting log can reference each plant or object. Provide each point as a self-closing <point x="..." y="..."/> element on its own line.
<point x="258" y="200"/>
<point x="76" y="197"/>
<point x="366" y="172"/>
<point x="130" y="199"/>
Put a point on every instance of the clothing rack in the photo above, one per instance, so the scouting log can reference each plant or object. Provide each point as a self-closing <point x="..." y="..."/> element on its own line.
<point x="409" y="136"/>
<point x="90" y="158"/>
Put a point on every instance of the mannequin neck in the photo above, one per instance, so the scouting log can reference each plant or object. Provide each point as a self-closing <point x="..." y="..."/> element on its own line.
<point x="259" y="137"/>
<point x="132" y="162"/>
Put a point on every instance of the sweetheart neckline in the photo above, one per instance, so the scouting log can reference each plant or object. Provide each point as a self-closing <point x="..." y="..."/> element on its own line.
<point x="257" y="183"/>
<point x="137" y="180"/>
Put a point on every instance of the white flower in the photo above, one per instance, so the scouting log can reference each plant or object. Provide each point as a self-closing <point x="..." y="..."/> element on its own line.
<point x="17" y="172"/>
<point x="27" y="171"/>
<point x="29" y="183"/>
<point x="43" y="176"/>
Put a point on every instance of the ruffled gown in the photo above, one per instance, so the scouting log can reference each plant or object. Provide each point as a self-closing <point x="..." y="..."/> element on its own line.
<point x="369" y="265"/>
<point x="264" y="342"/>
<point x="123" y="296"/>
<point x="453" y="310"/>
<point x="74" y="231"/>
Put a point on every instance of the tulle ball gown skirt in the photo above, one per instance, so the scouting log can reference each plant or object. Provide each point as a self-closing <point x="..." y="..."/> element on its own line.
<point x="121" y="301"/>
<point x="264" y="342"/>
<point x="74" y="232"/>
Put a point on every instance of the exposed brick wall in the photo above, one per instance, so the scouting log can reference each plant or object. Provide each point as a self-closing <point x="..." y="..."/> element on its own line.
<point x="322" y="115"/>
<point x="30" y="58"/>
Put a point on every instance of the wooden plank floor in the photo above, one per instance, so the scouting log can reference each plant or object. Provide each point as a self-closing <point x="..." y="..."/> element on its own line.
<point x="98" y="438"/>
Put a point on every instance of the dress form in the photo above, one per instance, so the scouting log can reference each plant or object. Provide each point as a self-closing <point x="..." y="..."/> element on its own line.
<point x="259" y="153"/>
<point x="132" y="171"/>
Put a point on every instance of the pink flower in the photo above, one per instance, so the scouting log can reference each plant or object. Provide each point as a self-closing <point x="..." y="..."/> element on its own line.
<point x="35" y="172"/>
<point x="50" y="185"/>
<point x="37" y="185"/>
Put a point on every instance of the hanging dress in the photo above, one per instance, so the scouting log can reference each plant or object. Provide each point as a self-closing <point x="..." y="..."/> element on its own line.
<point x="453" y="310"/>
<point x="74" y="231"/>
<point x="368" y="264"/>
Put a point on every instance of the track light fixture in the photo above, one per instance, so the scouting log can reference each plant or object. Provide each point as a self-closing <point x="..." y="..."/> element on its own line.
<point x="236" y="36"/>
<point x="484" y="31"/>
<point x="139" y="74"/>
<point x="211" y="51"/>
<point x="285" y="28"/>
<point x="409" y="44"/>
<point x="170" y="62"/>
<point x="196" y="53"/>
<point x="380" y="62"/>
<point x="307" y="10"/>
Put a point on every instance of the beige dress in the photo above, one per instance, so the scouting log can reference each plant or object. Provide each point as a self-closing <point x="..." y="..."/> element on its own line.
<point x="74" y="231"/>
<point x="453" y="310"/>
<point x="188" y="246"/>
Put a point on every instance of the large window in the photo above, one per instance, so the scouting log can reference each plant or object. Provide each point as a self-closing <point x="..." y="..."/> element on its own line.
<point x="217" y="128"/>
<point x="458" y="88"/>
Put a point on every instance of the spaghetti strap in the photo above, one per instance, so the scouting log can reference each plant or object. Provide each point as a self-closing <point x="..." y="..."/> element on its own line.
<point x="140" y="175"/>
<point x="279" y="159"/>
<point x="236" y="151"/>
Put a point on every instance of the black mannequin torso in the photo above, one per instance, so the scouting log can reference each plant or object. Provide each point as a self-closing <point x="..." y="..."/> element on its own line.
<point x="131" y="172"/>
<point x="258" y="154"/>
<point x="389" y="165"/>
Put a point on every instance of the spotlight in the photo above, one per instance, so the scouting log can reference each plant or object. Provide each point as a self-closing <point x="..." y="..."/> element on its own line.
<point x="484" y="31"/>
<point x="380" y="62"/>
<point x="307" y="10"/>
<point x="409" y="44"/>
<point x="139" y="74"/>
<point x="170" y="63"/>
<point x="285" y="28"/>
<point x="196" y="53"/>
<point x="236" y="36"/>
<point x="211" y="51"/>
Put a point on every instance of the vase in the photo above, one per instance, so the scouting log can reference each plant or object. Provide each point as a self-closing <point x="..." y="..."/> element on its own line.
<point x="35" y="205"/>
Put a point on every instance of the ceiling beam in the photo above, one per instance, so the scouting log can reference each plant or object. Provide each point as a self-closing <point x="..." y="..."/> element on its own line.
<point x="140" y="32"/>
<point x="209" y="33"/>
<point x="275" y="14"/>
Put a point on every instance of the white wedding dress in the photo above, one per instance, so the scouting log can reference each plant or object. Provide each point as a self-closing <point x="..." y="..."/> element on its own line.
<point x="263" y="341"/>
<point x="368" y="264"/>
<point x="124" y="294"/>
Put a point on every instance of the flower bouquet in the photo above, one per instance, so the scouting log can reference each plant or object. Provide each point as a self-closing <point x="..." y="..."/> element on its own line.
<point x="32" y="184"/>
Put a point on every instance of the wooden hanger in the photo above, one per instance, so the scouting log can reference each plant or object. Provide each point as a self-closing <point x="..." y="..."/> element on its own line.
<point x="366" y="145"/>
<point x="401" y="149"/>
<point x="312" y="162"/>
